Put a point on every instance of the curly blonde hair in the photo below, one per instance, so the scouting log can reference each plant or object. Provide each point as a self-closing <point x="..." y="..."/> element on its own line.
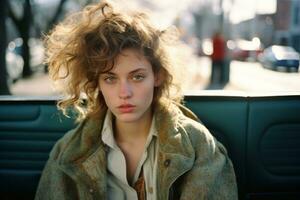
<point x="80" y="48"/>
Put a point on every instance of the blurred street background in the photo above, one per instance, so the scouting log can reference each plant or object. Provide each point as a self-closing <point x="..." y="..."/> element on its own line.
<point x="261" y="42"/>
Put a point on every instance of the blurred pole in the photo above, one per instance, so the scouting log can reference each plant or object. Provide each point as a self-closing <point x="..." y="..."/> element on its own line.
<point x="4" y="89"/>
<point x="25" y="34"/>
<point x="221" y="18"/>
<point x="225" y="75"/>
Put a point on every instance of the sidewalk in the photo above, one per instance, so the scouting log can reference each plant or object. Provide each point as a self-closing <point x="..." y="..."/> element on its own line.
<point x="37" y="85"/>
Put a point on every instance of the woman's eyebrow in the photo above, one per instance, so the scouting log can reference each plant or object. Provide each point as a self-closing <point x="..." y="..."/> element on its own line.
<point x="131" y="72"/>
<point x="108" y="73"/>
<point x="137" y="70"/>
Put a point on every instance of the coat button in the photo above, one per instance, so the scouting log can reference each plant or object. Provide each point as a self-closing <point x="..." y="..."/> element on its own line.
<point x="167" y="162"/>
<point x="150" y="190"/>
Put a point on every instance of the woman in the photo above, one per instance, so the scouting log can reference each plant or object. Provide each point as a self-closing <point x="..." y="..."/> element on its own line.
<point x="134" y="140"/>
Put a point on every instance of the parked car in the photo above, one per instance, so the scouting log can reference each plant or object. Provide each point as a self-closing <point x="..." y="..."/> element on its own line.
<point x="245" y="50"/>
<point x="276" y="57"/>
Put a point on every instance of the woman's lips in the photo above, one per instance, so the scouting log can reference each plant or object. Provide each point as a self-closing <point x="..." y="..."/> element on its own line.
<point x="126" y="108"/>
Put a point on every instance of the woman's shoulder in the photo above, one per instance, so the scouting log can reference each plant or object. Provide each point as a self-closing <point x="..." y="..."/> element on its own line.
<point x="202" y="139"/>
<point x="63" y="143"/>
<point x="198" y="133"/>
<point x="79" y="142"/>
<point x="195" y="129"/>
<point x="191" y="122"/>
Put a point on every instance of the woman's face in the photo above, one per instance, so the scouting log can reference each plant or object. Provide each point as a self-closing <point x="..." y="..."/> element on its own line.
<point x="128" y="88"/>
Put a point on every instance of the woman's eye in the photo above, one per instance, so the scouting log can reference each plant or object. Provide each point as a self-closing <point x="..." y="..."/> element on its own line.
<point x="138" y="77"/>
<point x="110" y="79"/>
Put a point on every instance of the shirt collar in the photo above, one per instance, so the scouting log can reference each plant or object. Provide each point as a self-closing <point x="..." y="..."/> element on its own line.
<point x="107" y="135"/>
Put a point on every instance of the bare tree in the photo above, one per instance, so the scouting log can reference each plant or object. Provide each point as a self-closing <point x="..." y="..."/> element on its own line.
<point x="24" y="25"/>
<point x="56" y="15"/>
<point x="4" y="89"/>
<point x="26" y="22"/>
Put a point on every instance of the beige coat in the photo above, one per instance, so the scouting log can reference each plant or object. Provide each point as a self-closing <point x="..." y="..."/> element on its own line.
<point x="191" y="163"/>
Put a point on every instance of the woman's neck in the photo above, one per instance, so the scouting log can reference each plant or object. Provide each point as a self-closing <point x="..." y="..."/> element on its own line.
<point x="133" y="131"/>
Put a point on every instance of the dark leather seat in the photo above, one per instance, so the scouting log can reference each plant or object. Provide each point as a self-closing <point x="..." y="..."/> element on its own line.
<point x="261" y="134"/>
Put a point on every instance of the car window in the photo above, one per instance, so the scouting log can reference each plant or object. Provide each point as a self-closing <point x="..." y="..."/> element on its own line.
<point x="241" y="45"/>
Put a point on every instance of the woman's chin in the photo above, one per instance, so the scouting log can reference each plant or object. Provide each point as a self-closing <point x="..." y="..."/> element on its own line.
<point x="127" y="118"/>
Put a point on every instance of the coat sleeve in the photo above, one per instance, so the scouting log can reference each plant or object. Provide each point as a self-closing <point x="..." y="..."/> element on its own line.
<point x="212" y="176"/>
<point x="55" y="184"/>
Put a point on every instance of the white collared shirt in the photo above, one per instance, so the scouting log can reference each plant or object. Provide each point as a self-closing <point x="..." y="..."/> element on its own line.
<point x="118" y="186"/>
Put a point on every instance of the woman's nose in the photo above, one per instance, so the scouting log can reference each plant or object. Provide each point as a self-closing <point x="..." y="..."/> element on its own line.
<point x="125" y="90"/>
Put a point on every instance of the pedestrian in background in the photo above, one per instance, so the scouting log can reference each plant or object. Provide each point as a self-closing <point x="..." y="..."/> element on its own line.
<point x="218" y="57"/>
<point x="135" y="140"/>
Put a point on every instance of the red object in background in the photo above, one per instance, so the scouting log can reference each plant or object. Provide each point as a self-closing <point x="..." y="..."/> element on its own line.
<point x="245" y="54"/>
<point x="245" y="50"/>
<point x="218" y="53"/>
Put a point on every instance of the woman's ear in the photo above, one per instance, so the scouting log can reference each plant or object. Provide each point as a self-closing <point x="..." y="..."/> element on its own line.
<point x="159" y="78"/>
